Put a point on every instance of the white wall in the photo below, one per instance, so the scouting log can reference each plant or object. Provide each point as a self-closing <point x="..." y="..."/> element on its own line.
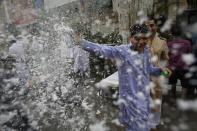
<point x="55" y="3"/>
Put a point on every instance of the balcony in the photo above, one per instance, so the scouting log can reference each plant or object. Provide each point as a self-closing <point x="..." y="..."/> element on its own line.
<point x="192" y="4"/>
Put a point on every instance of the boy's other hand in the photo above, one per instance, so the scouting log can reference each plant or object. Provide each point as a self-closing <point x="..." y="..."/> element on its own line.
<point x="166" y="72"/>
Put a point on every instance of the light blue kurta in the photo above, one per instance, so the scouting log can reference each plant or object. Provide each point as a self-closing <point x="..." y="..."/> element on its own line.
<point x="133" y="72"/>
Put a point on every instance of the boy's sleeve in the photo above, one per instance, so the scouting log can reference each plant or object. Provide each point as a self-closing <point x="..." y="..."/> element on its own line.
<point x="107" y="52"/>
<point x="154" y="70"/>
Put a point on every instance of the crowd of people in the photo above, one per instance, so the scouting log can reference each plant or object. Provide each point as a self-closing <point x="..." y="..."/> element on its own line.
<point x="140" y="65"/>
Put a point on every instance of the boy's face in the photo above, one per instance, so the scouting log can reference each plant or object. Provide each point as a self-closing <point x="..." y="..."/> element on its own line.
<point x="139" y="41"/>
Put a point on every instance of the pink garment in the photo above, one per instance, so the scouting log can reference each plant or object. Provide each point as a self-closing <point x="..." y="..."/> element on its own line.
<point x="177" y="48"/>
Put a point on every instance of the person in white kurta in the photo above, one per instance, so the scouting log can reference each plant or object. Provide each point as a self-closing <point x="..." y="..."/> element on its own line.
<point x="81" y="61"/>
<point x="18" y="52"/>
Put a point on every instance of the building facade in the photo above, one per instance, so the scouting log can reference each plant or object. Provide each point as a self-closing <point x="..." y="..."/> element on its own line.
<point x="128" y="13"/>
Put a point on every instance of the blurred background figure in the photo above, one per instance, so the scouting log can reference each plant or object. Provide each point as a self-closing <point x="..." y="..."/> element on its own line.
<point x="159" y="48"/>
<point x="192" y="90"/>
<point x="81" y="61"/>
<point x="159" y="54"/>
<point x="178" y="48"/>
<point x="82" y="5"/>
<point x="17" y="50"/>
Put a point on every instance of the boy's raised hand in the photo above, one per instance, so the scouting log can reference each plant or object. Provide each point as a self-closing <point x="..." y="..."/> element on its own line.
<point x="78" y="37"/>
<point x="78" y="30"/>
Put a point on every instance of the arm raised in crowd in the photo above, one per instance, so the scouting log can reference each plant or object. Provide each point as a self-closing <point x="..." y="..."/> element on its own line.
<point x="105" y="51"/>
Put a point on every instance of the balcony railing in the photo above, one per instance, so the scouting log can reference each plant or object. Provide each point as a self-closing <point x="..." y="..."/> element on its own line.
<point x="192" y="4"/>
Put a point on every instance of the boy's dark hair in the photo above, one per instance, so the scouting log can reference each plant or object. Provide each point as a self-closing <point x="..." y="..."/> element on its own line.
<point x="137" y="28"/>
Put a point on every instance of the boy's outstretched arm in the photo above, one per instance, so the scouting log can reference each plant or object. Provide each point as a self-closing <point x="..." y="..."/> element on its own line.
<point x="105" y="51"/>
